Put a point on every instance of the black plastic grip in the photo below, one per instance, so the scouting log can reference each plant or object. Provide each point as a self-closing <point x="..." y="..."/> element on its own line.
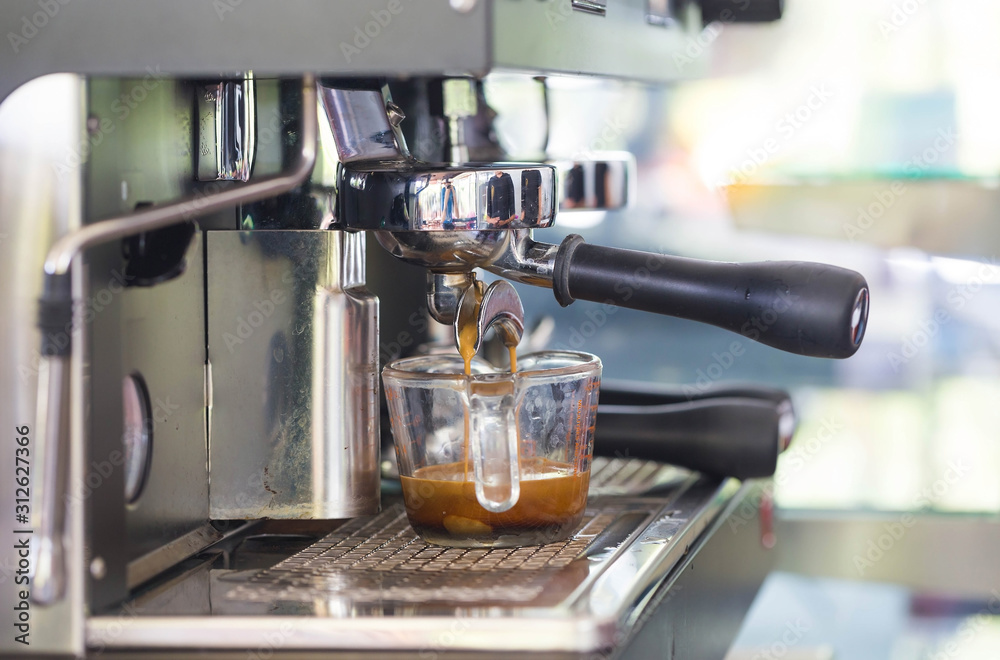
<point x="55" y="315"/>
<point x="800" y="307"/>
<point x="734" y="437"/>
<point x="741" y="11"/>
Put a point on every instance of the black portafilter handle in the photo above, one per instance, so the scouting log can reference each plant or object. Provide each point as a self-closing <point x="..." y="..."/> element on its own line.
<point x="731" y="437"/>
<point x="735" y="431"/>
<point x="800" y="307"/>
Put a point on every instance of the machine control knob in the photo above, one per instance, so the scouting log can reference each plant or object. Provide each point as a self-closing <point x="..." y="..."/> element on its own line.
<point x="741" y="11"/>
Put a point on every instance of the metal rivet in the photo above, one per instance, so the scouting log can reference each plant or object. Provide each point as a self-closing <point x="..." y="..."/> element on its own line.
<point x="98" y="569"/>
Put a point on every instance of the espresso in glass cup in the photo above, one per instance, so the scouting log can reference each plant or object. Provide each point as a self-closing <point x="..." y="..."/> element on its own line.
<point x="494" y="459"/>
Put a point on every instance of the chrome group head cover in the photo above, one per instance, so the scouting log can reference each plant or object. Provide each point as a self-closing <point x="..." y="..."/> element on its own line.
<point x="449" y="197"/>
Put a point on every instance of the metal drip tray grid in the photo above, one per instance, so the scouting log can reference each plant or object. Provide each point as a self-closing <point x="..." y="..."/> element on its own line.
<point x="632" y="476"/>
<point x="373" y="585"/>
<point x="383" y="559"/>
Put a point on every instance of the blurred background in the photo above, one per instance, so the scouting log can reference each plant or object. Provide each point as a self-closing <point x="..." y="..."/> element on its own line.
<point x="862" y="133"/>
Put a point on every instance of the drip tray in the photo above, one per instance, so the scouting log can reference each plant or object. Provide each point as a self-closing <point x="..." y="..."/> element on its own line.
<point x="372" y="584"/>
<point x="382" y="562"/>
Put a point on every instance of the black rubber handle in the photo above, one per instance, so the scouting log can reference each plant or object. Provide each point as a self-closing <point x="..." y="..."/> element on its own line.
<point x="635" y="393"/>
<point x="736" y="437"/>
<point x="800" y="307"/>
<point x="741" y="11"/>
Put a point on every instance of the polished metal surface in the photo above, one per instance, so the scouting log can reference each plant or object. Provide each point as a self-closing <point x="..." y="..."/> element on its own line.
<point x="162" y="341"/>
<point x="48" y="497"/>
<point x="446" y="251"/>
<point x="600" y="182"/>
<point x="362" y="128"/>
<point x="632" y="476"/>
<point x="374" y="560"/>
<point x="699" y="609"/>
<point x="39" y="125"/>
<point x="66" y="248"/>
<point x="372" y="585"/>
<point x="166" y="556"/>
<point x="460" y="103"/>
<point x="596" y="7"/>
<point x="444" y="293"/>
<point x="195" y="39"/>
<point x="152" y="333"/>
<point x="499" y="309"/>
<point x="525" y="260"/>
<point x="438" y="198"/>
<point x="227" y="130"/>
<point x="293" y="347"/>
<point x="52" y="400"/>
<point x="554" y="36"/>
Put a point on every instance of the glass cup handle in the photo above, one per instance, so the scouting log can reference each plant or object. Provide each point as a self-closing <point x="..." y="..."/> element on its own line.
<point x="492" y="434"/>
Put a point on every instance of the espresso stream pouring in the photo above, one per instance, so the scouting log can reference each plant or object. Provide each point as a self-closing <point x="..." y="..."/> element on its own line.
<point x="490" y="431"/>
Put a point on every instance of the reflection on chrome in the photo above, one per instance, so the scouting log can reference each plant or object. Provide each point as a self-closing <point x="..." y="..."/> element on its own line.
<point x="450" y="198"/>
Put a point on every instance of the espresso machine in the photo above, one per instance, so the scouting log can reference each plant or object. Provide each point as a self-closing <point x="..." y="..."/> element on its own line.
<point x="194" y="198"/>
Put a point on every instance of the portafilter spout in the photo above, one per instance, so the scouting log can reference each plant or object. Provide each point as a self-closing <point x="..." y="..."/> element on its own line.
<point x="499" y="309"/>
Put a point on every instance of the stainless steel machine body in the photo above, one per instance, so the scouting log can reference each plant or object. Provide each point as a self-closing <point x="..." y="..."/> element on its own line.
<point x="223" y="348"/>
<point x="289" y="310"/>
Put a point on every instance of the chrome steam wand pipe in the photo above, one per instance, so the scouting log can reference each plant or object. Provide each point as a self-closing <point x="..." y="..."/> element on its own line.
<point x="55" y="321"/>
<point x="156" y="217"/>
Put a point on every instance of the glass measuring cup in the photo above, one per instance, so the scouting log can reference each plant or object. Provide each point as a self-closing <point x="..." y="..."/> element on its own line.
<point x="494" y="459"/>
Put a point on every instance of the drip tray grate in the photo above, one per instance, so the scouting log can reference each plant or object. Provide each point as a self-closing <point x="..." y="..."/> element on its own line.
<point x="381" y="559"/>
